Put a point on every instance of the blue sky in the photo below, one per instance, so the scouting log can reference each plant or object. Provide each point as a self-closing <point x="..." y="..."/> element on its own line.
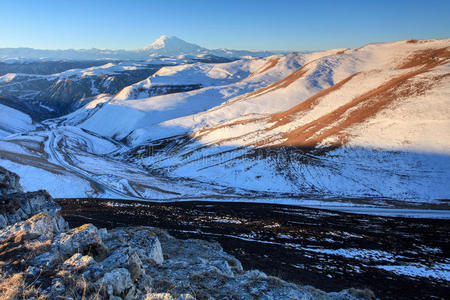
<point x="275" y="24"/>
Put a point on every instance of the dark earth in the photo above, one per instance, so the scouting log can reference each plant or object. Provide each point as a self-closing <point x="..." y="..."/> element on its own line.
<point x="273" y="238"/>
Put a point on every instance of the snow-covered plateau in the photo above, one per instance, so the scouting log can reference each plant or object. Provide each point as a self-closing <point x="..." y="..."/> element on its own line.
<point x="342" y="128"/>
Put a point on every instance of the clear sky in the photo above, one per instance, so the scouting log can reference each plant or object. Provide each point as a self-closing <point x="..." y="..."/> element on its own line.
<point x="245" y="24"/>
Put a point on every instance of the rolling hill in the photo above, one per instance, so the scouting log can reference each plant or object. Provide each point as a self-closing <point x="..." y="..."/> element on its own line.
<point x="367" y="125"/>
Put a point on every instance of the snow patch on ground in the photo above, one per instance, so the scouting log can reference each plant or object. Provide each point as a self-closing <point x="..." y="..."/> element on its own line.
<point x="436" y="271"/>
<point x="362" y="254"/>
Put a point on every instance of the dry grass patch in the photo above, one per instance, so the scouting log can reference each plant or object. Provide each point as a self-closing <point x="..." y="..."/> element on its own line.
<point x="14" y="287"/>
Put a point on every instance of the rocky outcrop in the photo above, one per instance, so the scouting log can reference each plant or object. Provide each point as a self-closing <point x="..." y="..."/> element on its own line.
<point x="41" y="258"/>
<point x="9" y="182"/>
<point x="15" y="205"/>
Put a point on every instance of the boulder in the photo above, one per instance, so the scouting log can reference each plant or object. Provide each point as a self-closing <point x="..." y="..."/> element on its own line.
<point x="40" y="225"/>
<point x="124" y="258"/>
<point x="135" y="266"/>
<point x="83" y="265"/>
<point x="142" y="239"/>
<point x="78" y="262"/>
<point x="48" y="259"/>
<point x="84" y="239"/>
<point x="117" y="259"/>
<point x="116" y="281"/>
<point x="147" y="245"/>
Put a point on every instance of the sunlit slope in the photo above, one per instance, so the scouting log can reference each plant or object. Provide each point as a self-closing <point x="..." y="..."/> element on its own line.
<point x="398" y="98"/>
<point x="372" y="121"/>
<point x="140" y="118"/>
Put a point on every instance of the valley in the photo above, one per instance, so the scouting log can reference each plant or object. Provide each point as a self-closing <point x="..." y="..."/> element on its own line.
<point x="366" y="123"/>
<point x="327" y="168"/>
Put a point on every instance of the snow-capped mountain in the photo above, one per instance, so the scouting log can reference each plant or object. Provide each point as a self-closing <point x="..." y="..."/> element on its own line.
<point x="366" y="123"/>
<point x="164" y="46"/>
<point x="173" y="46"/>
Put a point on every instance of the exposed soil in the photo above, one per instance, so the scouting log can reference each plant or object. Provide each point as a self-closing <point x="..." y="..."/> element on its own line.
<point x="285" y="117"/>
<point x="278" y="239"/>
<point x="429" y="58"/>
<point x="360" y="109"/>
<point x="269" y="65"/>
<point x="35" y="161"/>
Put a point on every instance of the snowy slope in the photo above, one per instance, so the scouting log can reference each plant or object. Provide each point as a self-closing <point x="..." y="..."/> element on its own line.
<point x="341" y="120"/>
<point x="142" y="118"/>
<point x="385" y="106"/>
<point x="292" y="91"/>
<point x="13" y="121"/>
<point x="333" y="84"/>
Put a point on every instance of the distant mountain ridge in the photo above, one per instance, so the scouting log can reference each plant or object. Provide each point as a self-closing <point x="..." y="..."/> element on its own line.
<point x="164" y="46"/>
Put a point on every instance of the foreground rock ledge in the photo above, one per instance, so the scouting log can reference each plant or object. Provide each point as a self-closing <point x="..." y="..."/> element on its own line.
<point x="41" y="258"/>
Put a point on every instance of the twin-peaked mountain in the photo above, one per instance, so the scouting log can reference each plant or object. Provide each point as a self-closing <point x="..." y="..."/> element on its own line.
<point x="163" y="46"/>
<point x="32" y="81"/>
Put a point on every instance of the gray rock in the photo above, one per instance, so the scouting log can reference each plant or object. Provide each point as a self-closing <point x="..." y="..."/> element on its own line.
<point x="142" y="239"/>
<point x="3" y="221"/>
<point x="144" y="284"/>
<point x="40" y="225"/>
<point x="130" y="295"/>
<point x="116" y="281"/>
<point x="47" y="259"/>
<point x="135" y="266"/>
<point x="83" y="239"/>
<point x="58" y="286"/>
<point x="32" y="271"/>
<point x="117" y="259"/>
<point x="78" y="262"/>
<point x="129" y="259"/>
<point x="20" y="206"/>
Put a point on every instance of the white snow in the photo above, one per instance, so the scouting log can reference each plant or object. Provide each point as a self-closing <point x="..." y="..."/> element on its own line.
<point x="108" y="69"/>
<point x="7" y="78"/>
<point x="437" y="271"/>
<point x="13" y="121"/>
<point x="46" y="107"/>
<point x="360" y="254"/>
<point x="57" y="185"/>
